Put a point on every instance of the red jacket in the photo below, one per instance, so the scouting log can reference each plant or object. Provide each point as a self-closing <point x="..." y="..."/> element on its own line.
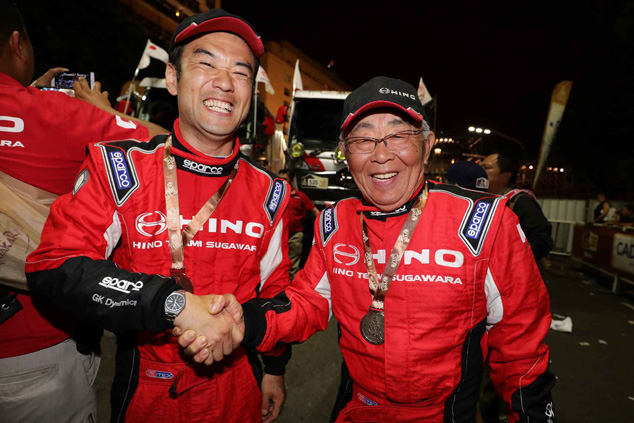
<point x="119" y="213"/>
<point x="467" y="285"/>
<point x="43" y="139"/>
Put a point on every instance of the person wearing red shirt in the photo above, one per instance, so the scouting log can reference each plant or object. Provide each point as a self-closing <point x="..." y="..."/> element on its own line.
<point x="44" y="134"/>
<point x="153" y="229"/>
<point x="299" y="207"/>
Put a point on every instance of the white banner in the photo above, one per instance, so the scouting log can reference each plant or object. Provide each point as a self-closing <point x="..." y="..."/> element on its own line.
<point x="557" y="106"/>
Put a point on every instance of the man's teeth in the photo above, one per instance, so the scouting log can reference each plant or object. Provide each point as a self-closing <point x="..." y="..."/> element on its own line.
<point x="221" y="106"/>
<point x="385" y="175"/>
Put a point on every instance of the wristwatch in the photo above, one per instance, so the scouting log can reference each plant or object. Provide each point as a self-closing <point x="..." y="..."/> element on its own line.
<point x="174" y="304"/>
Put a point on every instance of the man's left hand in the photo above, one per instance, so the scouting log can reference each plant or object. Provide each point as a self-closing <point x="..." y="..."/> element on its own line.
<point x="46" y="79"/>
<point x="273" y="397"/>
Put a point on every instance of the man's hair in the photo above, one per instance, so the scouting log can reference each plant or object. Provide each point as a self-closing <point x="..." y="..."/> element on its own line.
<point x="10" y="20"/>
<point x="508" y="162"/>
<point x="176" y="57"/>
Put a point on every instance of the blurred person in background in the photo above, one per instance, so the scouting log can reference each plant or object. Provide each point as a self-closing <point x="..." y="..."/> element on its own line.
<point x="468" y="175"/>
<point x="501" y="168"/>
<point x="602" y="209"/>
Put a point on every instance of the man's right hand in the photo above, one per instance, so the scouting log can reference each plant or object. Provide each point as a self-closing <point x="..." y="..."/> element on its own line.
<point x="210" y="326"/>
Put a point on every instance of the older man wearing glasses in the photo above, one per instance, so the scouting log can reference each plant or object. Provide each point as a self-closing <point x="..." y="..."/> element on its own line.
<point x="424" y="279"/>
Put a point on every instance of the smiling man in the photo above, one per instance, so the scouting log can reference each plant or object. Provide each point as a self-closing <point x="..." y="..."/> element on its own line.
<point x="424" y="280"/>
<point x="152" y="229"/>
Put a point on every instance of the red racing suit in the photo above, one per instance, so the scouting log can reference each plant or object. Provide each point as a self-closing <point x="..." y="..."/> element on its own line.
<point x="104" y="255"/>
<point x="467" y="284"/>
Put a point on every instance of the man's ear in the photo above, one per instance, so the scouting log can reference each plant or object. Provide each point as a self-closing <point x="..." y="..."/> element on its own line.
<point x="17" y="47"/>
<point x="428" y="145"/>
<point x="170" y="79"/>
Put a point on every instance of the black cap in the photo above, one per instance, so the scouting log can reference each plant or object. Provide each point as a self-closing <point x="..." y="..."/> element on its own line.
<point x="216" y="20"/>
<point x="382" y="91"/>
<point x="468" y="175"/>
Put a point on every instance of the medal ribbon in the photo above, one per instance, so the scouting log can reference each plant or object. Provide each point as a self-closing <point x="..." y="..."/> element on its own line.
<point x="177" y="241"/>
<point x="379" y="287"/>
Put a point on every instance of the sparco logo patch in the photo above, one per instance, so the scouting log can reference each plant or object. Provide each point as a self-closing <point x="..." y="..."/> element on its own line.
<point x="274" y="198"/>
<point x="121" y="285"/>
<point x="151" y="224"/>
<point x="120" y="167"/>
<point x="155" y="374"/>
<point x="328" y="225"/>
<point x="477" y="220"/>
<point x="346" y="254"/>
<point x="274" y="202"/>
<point x="202" y="168"/>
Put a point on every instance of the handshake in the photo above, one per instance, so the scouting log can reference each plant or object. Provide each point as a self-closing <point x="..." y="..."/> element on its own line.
<point x="209" y="327"/>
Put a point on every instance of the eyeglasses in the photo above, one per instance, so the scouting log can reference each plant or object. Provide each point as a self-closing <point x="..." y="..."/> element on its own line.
<point x="397" y="141"/>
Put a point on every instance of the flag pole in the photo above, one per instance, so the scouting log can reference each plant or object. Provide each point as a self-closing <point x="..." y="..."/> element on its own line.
<point x="127" y="101"/>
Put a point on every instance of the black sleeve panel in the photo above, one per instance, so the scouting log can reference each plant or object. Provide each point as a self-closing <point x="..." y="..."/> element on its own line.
<point x="254" y="311"/>
<point x="534" y="224"/>
<point x="534" y="403"/>
<point x="101" y="293"/>
<point x="276" y="364"/>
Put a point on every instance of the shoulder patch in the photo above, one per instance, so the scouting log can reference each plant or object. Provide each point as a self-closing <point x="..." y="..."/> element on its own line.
<point x="476" y="222"/>
<point x="274" y="198"/>
<point x="80" y="180"/>
<point x="327" y="225"/>
<point x="477" y="219"/>
<point x="122" y="175"/>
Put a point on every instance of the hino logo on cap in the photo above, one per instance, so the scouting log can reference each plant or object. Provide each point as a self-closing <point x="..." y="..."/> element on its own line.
<point x="202" y="168"/>
<point x="389" y="91"/>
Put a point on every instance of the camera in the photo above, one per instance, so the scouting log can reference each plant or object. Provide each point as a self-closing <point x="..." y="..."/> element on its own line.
<point x="65" y="80"/>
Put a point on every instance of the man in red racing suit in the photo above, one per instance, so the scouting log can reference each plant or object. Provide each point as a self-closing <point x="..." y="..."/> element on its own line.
<point x="241" y="249"/>
<point x="104" y="253"/>
<point x="467" y="284"/>
<point x="452" y="300"/>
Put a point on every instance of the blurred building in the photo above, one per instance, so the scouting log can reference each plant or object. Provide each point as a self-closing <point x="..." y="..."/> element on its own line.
<point x="279" y="63"/>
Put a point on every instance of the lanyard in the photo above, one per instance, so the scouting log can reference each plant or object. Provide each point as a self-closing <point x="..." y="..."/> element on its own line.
<point x="177" y="241"/>
<point x="373" y="324"/>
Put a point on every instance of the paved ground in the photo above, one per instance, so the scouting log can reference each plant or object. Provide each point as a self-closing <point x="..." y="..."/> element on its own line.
<point x="595" y="381"/>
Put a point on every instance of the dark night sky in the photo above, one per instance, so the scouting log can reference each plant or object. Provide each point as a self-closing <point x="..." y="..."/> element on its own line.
<point x="489" y="63"/>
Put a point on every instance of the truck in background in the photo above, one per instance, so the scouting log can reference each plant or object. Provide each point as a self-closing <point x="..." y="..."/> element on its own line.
<point x="313" y="155"/>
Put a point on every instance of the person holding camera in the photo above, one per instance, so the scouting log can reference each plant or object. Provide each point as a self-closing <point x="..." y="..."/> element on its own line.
<point x="47" y="364"/>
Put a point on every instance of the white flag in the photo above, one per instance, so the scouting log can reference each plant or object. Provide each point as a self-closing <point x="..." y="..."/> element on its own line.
<point x="152" y="50"/>
<point x="423" y="94"/>
<point x="297" y="78"/>
<point x="263" y="77"/>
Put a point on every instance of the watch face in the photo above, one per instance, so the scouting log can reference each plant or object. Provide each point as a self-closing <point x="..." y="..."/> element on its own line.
<point x="175" y="302"/>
